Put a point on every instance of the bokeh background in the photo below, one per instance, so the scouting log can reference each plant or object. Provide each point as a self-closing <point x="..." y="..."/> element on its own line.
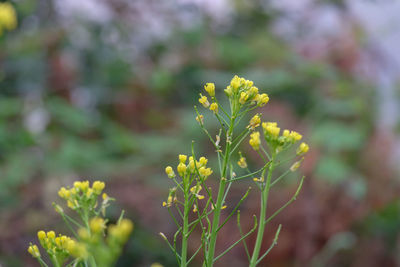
<point x="104" y="89"/>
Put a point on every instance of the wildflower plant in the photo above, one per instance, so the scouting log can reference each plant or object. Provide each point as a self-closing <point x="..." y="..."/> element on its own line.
<point x="199" y="206"/>
<point x="95" y="242"/>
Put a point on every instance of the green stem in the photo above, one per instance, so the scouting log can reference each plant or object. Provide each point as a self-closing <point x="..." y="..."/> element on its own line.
<point x="185" y="230"/>
<point x="263" y="211"/>
<point x="220" y="197"/>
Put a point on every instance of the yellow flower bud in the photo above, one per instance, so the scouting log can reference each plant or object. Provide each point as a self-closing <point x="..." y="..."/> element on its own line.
<point x="255" y="140"/>
<point x="97" y="225"/>
<point x="262" y="99"/>
<point x="214" y="108"/>
<point x="254" y="122"/>
<point x="242" y="162"/>
<point x="210" y="88"/>
<point x="34" y="251"/>
<point x="182" y="158"/>
<point x="243" y="98"/>
<point x="41" y="235"/>
<point x="98" y="186"/>
<point x="302" y="149"/>
<point x="181" y="169"/>
<point x="170" y="172"/>
<point x="51" y="234"/>
<point x="203" y="161"/>
<point x="235" y="83"/>
<point x="204" y="101"/>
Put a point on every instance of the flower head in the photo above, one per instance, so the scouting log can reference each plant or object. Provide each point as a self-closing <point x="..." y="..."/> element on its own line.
<point x="204" y="101"/>
<point x="255" y="140"/>
<point x="214" y="108"/>
<point x="302" y="149"/>
<point x="210" y="88"/>
<point x="254" y="122"/>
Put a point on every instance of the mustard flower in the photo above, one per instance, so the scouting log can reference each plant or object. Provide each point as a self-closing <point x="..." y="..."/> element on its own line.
<point x="255" y="140"/>
<point x="181" y="169"/>
<point x="170" y="172"/>
<point x="204" y="101"/>
<point x="210" y="88"/>
<point x="214" y="108"/>
<point x="242" y="163"/>
<point x="302" y="149"/>
<point x="254" y="122"/>
<point x="34" y="251"/>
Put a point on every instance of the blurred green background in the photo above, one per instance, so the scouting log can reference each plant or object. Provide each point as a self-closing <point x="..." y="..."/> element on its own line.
<point x="105" y="90"/>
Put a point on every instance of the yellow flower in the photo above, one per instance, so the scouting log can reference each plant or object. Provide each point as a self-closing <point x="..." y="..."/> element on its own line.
<point x="286" y="133"/>
<point x="243" y="98"/>
<point x="205" y="172"/>
<point x="204" y="101"/>
<point x="41" y="235"/>
<point x="214" y="107"/>
<point x="262" y="99"/>
<point x="182" y="158"/>
<point x="170" y="172"/>
<point x="34" y="251"/>
<point x="51" y="234"/>
<point x="235" y="83"/>
<point x="121" y="231"/>
<point x="64" y="193"/>
<point x="302" y="149"/>
<point x="77" y="249"/>
<point x="242" y="162"/>
<point x="210" y="88"/>
<point x="295" y="136"/>
<point x="271" y="128"/>
<point x="181" y="169"/>
<point x="98" y="187"/>
<point x="97" y="225"/>
<point x="253" y="92"/>
<point x="203" y="161"/>
<point x="8" y="17"/>
<point x="255" y="140"/>
<point x="254" y="122"/>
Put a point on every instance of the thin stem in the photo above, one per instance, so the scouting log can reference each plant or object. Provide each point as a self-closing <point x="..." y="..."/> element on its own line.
<point x="274" y="242"/>
<point x="237" y="242"/>
<point x="241" y="235"/>
<point x="185" y="230"/>
<point x="263" y="211"/>
<point x="220" y="196"/>
<point x="289" y="202"/>
<point x="280" y="177"/>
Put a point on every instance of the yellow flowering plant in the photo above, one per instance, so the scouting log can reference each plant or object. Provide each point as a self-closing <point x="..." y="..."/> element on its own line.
<point x="95" y="242"/>
<point x="192" y="196"/>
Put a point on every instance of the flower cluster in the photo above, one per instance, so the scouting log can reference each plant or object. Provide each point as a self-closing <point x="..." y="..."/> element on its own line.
<point x="95" y="241"/>
<point x="82" y="193"/>
<point x="57" y="247"/>
<point x="192" y="167"/>
<point x="8" y="17"/>
<point x="244" y="92"/>
<point x="273" y="138"/>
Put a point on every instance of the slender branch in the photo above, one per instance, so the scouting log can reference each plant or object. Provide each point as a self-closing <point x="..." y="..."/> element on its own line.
<point x="241" y="235"/>
<point x="235" y="209"/>
<point x="274" y="243"/>
<point x="287" y="203"/>
<point x="240" y="240"/>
